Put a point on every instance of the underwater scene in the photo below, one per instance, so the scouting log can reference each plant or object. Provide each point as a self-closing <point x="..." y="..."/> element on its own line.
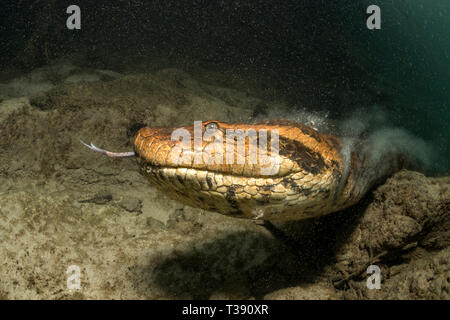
<point x="225" y="150"/>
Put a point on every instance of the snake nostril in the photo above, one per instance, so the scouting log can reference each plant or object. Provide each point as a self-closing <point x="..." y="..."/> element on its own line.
<point x="133" y="128"/>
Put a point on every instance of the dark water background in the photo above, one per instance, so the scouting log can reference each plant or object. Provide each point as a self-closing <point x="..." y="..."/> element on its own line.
<point x="412" y="53"/>
<point x="317" y="54"/>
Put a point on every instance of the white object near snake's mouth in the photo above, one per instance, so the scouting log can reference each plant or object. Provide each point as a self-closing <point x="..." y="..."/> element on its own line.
<point x="110" y="154"/>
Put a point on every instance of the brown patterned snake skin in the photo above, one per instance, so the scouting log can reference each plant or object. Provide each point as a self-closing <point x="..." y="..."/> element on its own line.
<point x="317" y="173"/>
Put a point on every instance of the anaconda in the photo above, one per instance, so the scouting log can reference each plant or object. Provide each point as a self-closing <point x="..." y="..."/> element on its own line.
<point x="317" y="173"/>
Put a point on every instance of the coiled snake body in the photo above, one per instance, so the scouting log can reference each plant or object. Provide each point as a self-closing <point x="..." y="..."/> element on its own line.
<point x="317" y="173"/>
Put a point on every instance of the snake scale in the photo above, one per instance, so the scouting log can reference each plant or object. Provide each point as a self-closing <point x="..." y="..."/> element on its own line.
<point x="317" y="173"/>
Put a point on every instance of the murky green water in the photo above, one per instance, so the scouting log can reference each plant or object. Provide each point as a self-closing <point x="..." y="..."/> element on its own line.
<point x="411" y="54"/>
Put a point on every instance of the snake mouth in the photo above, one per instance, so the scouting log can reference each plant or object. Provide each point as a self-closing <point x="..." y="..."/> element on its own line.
<point x="210" y="181"/>
<point x="215" y="170"/>
<point x="202" y="179"/>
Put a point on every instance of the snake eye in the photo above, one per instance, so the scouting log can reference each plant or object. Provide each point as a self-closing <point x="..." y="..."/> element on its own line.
<point x="212" y="126"/>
